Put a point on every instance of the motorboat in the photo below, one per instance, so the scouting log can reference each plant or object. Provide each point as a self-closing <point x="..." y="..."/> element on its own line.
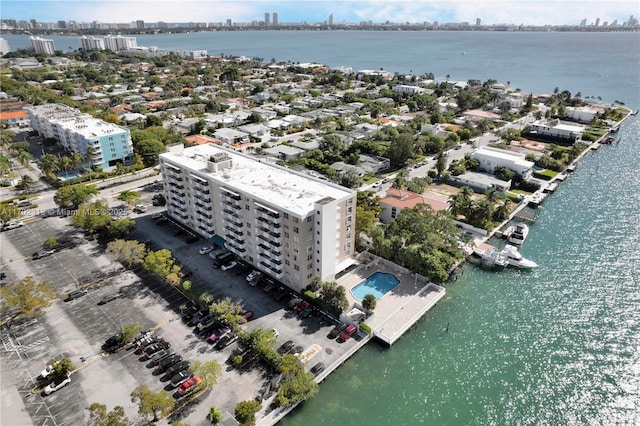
<point x="515" y="259"/>
<point x="536" y="199"/>
<point x="519" y="234"/>
<point x="492" y="258"/>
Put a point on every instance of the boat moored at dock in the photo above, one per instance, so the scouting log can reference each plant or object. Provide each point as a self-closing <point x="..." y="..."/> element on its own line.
<point x="518" y="234"/>
<point x="515" y="259"/>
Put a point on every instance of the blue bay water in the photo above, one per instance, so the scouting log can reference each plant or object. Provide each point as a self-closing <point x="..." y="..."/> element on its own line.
<point x="556" y="346"/>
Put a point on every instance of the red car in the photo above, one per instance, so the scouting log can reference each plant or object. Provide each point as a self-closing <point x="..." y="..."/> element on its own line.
<point x="189" y="384"/>
<point x="248" y="315"/>
<point x="348" y="332"/>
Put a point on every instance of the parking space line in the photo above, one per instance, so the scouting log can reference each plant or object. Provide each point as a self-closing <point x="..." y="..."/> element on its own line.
<point x="14" y="261"/>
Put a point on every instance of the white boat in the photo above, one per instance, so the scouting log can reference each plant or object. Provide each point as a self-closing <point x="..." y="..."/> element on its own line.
<point x="537" y="199"/>
<point x="519" y="233"/>
<point x="515" y="259"/>
<point x="491" y="258"/>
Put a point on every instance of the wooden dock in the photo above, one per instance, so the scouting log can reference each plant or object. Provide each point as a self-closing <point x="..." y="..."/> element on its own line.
<point x="526" y="216"/>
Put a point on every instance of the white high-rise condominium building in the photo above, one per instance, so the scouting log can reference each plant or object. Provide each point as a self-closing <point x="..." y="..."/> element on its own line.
<point x="119" y="42"/>
<point x="89" y="43"/>
<point x="42" y="45"/>
<point x="4" y="46"/>
<point x="286" y="224"/>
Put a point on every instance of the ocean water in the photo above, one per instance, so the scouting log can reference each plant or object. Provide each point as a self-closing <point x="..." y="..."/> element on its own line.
<point x="556" y="346"/>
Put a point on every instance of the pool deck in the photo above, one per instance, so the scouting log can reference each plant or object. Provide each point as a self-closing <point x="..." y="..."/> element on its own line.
<point x="401" y="307"/>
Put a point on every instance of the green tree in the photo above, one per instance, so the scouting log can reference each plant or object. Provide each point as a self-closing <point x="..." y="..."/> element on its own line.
<point x="401" y="149"/>
<point x="227" y="311"/>
<point x="27" y="296"/>
<point x="62" y="367"/>
<point x="8" y="212"/>
<point x="152" y="403"/>
<point x="70" y="197"/>
<point x="441" y="163"/>
<point x="161" y="263"/>
<point x="50" y="243"/>
<point x="296" y="387"/>
<point x="245" y="412"/>
<point x="120" y="228"/>
<point x="369" y="302"/>
<point x="22" y="156"/>
<point x="129" y="197"/>
<point x="335" y="296"/>
<point x="26" y="182"/>
<point x="93" y="216"/>
<point x="209" y="372"/>
<point x="99" y="416"/>
<point x="214" y="416"/>
<point x="127" y="333"/>
<point x="127" y="252"/>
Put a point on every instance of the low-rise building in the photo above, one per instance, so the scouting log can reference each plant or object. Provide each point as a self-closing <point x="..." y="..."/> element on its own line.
<point x="398" y="199"/>
<point x="481" y="182"/>
<point x="582" y="114"/>
<point x="286" y="224"/>
<point x="492" y="158"/>
<point x="556" y="130"/>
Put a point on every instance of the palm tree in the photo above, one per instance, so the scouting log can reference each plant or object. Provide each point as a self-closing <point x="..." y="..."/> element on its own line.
<point x="23" y="156"/>
<point x="26" y="183"/>
<point x="65" y="163"/>
<point x="76" y="159"/>
<point x="491" y="196"/>
<point x="502" y="212"/>
<point x="482" y="212"/>
<point x="49" y="164"/>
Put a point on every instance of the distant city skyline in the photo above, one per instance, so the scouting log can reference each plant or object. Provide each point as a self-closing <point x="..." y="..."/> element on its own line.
<point x="490" y="12"/>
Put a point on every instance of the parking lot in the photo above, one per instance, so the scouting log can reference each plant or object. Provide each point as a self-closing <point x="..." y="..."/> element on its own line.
<point x="78" y="328"/>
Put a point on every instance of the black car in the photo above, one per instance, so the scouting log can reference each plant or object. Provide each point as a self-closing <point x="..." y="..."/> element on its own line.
<point x="286" y="347"/>
<point x="108" y="298"/>
<point x="191" y="239"/>
<point x="179" y="231"/>
<point x="335" y="332"/>
<point x="161" y="355"/>
<point x="188" y="313"/>
<point x="156" y="347"/>
<point x="42" y="253"/>
<point x="195" y="319"/>
<point x="226" y="340"/>
<point x="317" y="369"/>
<point x="76" y="294"/>
<point x="112" y="344"/>
<point x="180" y="377"/>
<point x="168" y="362"/>
<point x="176" y="368"/>
<point x="306" y="313"/>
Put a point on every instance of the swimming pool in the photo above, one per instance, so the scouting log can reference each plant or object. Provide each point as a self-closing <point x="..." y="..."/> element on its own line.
<point x="68" y="175"/>
<point x="378" y="284"/>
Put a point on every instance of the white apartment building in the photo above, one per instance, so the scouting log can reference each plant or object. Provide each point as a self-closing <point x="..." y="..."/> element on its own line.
<point x="103" y="144"/>
<point x="42" y="45"/>
<point x="119" y="42"/>
<point x="286" y="224"/>
<point x="4" y="47"/>
<point x="89" y="43"/>
<point x="557" y="130"/>
<point x="490" y="158"/>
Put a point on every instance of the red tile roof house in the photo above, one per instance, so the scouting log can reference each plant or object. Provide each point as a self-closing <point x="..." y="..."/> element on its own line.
<point x="398" y="199"/>
<point x="14" y="118"/>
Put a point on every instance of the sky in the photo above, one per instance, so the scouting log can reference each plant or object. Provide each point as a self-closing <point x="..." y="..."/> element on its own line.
<point x="528" y="12"/>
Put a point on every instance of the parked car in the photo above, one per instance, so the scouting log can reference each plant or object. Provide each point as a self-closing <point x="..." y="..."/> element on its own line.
<point x="205" y="250"/>
<point x="253" y="276"/>
<point x="247" y="315"/>
<point x="269" y="287"/>
<point x="140" y="208"/>
<point x="12" y="225"/>
<point x="76" y="294"/>
<point x="141" y="344"/>
<point x="160" y="355"/>
<point x="205" y="323"/>
<point x="56" y="385"/>
<point x="156" y="347"/>
<point x="175" y="368"/>
<point x="46" y="372"/>
<point x="286" y="347"/>
<point x="348" y="332"/>
<point x="42" y="253"/>
<point x="229" y="265"/>
<point x="195" y="319"/>
<point x="156" y="216"/>
<point x="226" y="340"/>
<point x="179" y="231"/>
<point x="112" y="344"/>
<point x="188" y="313"/>
<point x="275" y="333"/>
<point x="302" y="306"/>
<point x="306" y="313"/>
<point x="335" y="331"/>
<point x="161" y="220"/>
<point x="169" y="361"/>
<point x="317" y="369"/>
<point x="189" y="385"/>
<point x="218" y="333"/>
<point x="222" y="260"/>
<point x="108" y="298"/>
<point x="180" y="377"/>
<point x="191" y="239"/>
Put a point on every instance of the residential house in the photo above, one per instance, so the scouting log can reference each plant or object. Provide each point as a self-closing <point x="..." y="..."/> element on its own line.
<point x="492" y="158"/>
<point x="397" y="199"/>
